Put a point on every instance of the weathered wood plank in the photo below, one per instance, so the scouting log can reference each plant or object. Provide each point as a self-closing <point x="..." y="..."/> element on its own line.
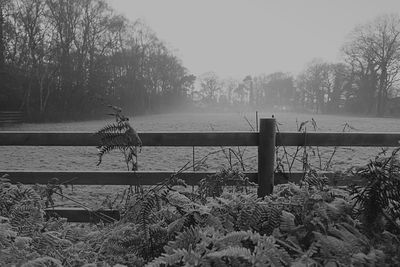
<point x="19" y="138"/>
<point x="80" y="215"/>
<point x="200" y="139"/>
<point x="338" y="139"/>
<point x="147" y="178"/>
<point x="14" y="138"/>
<point x="105" y="177"/>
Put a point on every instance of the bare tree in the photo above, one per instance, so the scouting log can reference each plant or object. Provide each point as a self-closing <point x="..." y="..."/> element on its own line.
<point x="65" y="16"/>
<point x="210" y="87"/>
<point x="248" y="85"/>
<point x="373" y="51"/>
<point x="229" y="86"/>
<point x="279" y="88"/>
<point x="313" y="83"/>
<point x="29" y="15"/>
<point x="339" y="83"/>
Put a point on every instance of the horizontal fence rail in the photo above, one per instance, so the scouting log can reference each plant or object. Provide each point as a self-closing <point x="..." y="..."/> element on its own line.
<point x="265" y="177"/>
<point x="14" y="138"/>
<point x="8" y="138"/>
<point x="338" y="139"/>
<point x="147" y="178"/>
<point x="109" y="177"/>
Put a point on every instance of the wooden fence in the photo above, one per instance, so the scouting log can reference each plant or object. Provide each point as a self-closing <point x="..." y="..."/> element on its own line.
<point x="266" y="140"/>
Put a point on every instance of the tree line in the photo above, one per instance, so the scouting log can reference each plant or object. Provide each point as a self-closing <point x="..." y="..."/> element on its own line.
<point x="66" y="59"/>
<point x="366" y="81"/>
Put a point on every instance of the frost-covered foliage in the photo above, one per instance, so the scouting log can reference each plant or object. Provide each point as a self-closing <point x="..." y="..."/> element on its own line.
<point x="119" y="136"/>
<point x="310" y="224"/>
<point x="378" y="199"/>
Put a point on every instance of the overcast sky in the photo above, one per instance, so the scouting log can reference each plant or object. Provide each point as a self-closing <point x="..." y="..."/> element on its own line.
<point x="238" y="37"/>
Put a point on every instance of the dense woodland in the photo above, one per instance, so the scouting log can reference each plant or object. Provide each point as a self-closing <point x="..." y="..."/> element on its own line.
<point x="68" y="59"/>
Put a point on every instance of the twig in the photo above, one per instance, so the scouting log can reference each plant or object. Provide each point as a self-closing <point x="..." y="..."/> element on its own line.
<point x="249" y="123"/>
<point x="282" y="243"/>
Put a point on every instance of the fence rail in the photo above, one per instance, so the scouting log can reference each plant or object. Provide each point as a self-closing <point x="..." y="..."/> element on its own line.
<point x="145" y="178"/>
<point x="37" y="138"/>
<point x="266" y="140"/>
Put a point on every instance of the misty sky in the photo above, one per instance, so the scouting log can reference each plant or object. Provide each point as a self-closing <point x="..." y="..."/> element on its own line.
<point x="239" y="37"/>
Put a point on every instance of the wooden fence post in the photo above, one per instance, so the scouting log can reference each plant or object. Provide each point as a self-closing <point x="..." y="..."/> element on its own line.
<point x="266" y="156"/>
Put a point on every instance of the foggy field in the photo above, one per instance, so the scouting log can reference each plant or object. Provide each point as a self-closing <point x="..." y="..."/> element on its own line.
<point x="152" y="158"/>
<point x="171" y="158"/>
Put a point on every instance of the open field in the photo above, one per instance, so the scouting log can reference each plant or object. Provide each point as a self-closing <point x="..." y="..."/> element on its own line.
<point x="152" y="158"/>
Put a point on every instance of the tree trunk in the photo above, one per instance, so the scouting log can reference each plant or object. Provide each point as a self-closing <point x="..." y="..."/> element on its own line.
<point x="2" y="67"/>
<point x="2" y="61"/>
<point x="251" y="94"/>
<point x="381" y="92"/>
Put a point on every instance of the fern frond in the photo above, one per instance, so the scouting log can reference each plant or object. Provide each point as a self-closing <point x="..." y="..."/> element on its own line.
<point x="74" y="234"/>
<point x="22" y="242"/>
<point x="184" y="240"/>
<point x="235" y="238"/>
<point x="24" y="194"/>
<point x="313" y="179"/>
<point x="6" y="234"/>
<point x="350" y="235"/>
<point x="148" y="205"/>
<point x="245" y="218"/>
<point x="44" y="261"/>
<point x="373" y="258"/>
<point x="335" y="247"/>
<point x="313" y="249"/>
<point x="271" y="220"/>
<point x="132" y="240"/>
<point x="177" y="225"/>
<point x="113" y="128"/>
<point x="55" y="224"/>
<point x="287" y="222"/>
<point x="234" y="252"/>
<point x="177" y="199"/>
<point x="173" y="259"/>
<point x="119" y="136"/>
<point x="268" y="253"/>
